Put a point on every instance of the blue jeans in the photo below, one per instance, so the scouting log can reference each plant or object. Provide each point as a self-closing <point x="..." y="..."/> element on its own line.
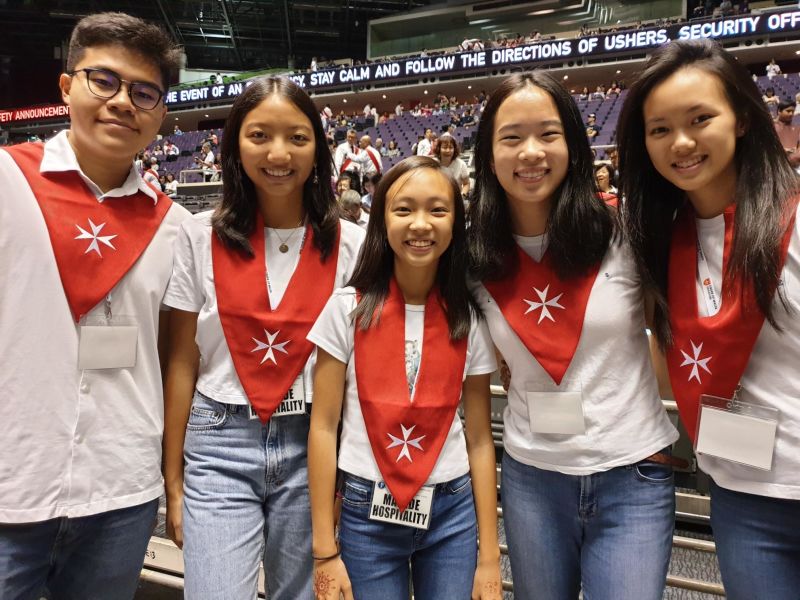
<point x="758" y="544"/>
<point x="377" y="554"/>
<point x="609" y="533"/>
<point x="98" y="557"/>
<point x="245" y="500"/>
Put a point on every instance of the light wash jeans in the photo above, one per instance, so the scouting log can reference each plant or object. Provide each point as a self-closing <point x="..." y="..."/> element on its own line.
<point x="245" y="499"/>
<point x="377" y="554"/>
<point x="758" y="544"/>
<point x="98" y="557"/>
<point x="609" y="533"/>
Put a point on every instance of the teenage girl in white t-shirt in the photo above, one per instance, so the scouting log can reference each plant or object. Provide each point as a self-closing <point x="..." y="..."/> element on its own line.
<point x="711" y="206"/>
<point x="397" y="352"/>
<point x="587" y="486"/>
<point x="248" y="282"/>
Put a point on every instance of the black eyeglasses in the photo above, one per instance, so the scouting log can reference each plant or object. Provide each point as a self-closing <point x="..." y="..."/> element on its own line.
<point x="106" y="84"/>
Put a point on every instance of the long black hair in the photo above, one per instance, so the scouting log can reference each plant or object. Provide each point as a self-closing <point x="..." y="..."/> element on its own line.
<point x="580" y="225"/>
<point x="235" y="217"/>
<point x="375" y="265"/>
<point x="764" y="184"/>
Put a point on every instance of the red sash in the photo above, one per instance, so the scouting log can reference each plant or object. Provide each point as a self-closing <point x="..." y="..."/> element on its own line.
<point x="709" y="354"/>
<point x="268" y="346"/>
<point x="95" y="243"/>
<point x="407" y="437"/>
<point x="374" y="160"/>
<point x="347" y="162"/>
<point x="609" y="198"/>
<point x="544" y="311"/>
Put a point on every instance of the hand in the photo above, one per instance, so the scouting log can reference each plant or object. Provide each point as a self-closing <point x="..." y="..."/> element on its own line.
<point x="505" y="374"/>
<point x="488" y="581"/>
<point x="174" y="519"/>
<point x="331" y="580"/>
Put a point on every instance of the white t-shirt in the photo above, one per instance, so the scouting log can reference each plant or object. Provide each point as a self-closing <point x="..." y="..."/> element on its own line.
<point x="457" y="169"/>
<point x="334" y="332"/>
<point x="191" y="288"/>
<point x="772" y="376"/>
<point x="208" y="163"/>
<point x="623" y="414"/>
<point x="424" y="147"/>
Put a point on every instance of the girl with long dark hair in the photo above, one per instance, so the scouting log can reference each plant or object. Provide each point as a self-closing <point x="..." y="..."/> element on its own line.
<point x="397" y="351"/>
<point x="248" y="283"/>
<point x="711" y="209"/>
<point x="587" y="486"/>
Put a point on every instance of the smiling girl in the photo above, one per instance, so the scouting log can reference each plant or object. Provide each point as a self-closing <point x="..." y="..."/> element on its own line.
<point x="447" y="153"/>
<point x="248" y="282"/>
<point x="587" y="485"/>
<point x="397" y="351"/>
<point x="711" y="206"/>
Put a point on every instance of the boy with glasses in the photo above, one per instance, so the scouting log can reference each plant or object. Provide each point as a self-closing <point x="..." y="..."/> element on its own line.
<point x="86" y="260"/>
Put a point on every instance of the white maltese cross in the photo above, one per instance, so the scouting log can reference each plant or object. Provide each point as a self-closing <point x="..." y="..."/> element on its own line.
<point x="543" y="304"/>
<point x="95" y="237"/>
<point x="270" y="346"/>
<point x="696" y="361"/>
<point x="405" y="442"/>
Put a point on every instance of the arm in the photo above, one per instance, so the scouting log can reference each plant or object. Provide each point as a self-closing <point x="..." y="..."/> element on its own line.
<point x="182" y="368"/>
<point x="480" y="448"/>
<point x="330" y="576"/>
<point x="163" y="342"/>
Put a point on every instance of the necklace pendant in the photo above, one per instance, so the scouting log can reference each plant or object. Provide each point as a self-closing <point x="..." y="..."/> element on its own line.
<point x="283" y="248"/>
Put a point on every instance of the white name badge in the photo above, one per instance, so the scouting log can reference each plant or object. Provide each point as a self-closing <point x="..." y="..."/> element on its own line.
<point x="556" y="412"/>
<point x="294" y="403"/>
<point x="107" y="346"/>
<point x="737" y="431"/>
<point x="417" y="514"/>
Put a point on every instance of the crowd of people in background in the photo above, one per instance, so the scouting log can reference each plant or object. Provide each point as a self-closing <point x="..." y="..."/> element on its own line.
<point x="698" y="9"/>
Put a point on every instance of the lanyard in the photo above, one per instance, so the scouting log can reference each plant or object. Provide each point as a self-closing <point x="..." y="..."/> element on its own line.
<point x="709" y="293"/>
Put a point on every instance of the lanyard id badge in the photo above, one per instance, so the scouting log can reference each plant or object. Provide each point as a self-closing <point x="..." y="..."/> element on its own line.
<point x="737" y="431"/>
<point x="107" y="341"/>
<point x="556" y="412"/>
<point x="417" y="514"/>
<point x="293" y="403"/>
<point x="709" y="293"/>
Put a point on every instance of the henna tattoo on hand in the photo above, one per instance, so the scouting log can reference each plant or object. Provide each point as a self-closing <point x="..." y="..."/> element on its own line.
<point x="323" y="585"/>
<point x="492" y="587"/>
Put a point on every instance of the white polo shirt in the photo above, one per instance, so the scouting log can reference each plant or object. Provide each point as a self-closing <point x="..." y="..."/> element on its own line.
<point x="192" y="289"/>
<point x="75" y="443"/>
